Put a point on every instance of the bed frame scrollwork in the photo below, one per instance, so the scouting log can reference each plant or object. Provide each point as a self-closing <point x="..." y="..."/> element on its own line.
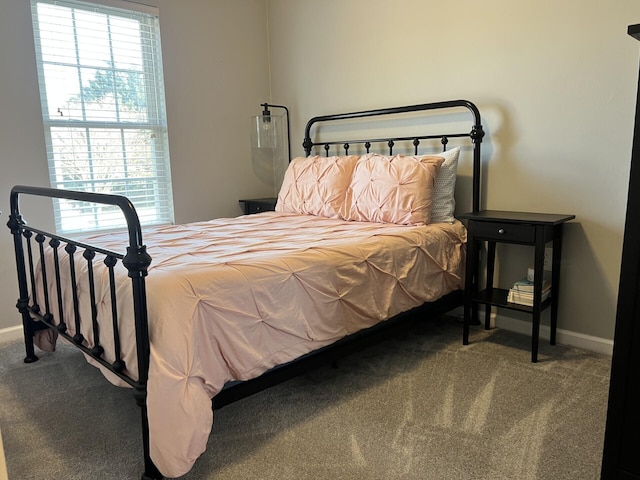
<point x="476" y="134"/>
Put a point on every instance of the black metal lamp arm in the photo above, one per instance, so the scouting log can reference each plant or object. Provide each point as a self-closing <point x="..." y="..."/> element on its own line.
<point x="267" y="113"/>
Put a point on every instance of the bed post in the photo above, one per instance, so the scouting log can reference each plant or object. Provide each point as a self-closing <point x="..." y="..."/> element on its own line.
<point x="15" y="225"/>
<point x="477" y="133"/>
<point x="137" y="260"/>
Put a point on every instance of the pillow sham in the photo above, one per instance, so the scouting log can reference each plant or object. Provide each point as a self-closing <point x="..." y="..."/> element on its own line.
<point x="316" y="185"/>
<point x="391" y="189"/>
<point x="443" y="202"/>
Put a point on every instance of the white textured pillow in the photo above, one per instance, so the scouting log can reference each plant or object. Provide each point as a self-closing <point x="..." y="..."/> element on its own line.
<point x="443" y="202"/>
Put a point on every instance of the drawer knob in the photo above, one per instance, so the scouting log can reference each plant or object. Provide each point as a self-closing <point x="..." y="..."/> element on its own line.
<point x="501" y="231"/>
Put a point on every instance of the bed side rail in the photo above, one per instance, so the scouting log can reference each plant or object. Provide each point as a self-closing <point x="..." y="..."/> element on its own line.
<point x="30" y="246"/>
<point x="475" y="134"/>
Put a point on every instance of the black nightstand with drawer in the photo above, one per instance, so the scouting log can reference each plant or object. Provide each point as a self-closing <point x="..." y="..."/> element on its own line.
<point x="257" y="205"/>
<point x="535" y="229"/>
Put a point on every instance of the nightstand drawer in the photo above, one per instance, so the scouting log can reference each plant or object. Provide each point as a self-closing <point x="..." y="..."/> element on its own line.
<point x="505" y="232"/>
<point x="257" y="205"/>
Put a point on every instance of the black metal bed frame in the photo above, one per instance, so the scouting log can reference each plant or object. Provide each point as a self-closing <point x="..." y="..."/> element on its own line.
<point x="136" y="260"/>
<point x="476" y="134"/>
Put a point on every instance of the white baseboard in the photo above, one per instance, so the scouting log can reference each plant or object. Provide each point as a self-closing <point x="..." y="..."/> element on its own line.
<point x="565" y="337"/>
<point x="11" y="333"/>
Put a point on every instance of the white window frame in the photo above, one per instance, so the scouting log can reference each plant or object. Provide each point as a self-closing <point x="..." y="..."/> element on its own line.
<point x="79" y="134"/>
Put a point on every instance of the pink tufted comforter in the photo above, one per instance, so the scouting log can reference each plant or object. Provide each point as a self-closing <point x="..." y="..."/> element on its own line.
<point x="230" y="298"/>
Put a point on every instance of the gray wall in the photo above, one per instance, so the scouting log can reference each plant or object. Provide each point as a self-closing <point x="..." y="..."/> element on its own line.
<point x="555" y="82"/>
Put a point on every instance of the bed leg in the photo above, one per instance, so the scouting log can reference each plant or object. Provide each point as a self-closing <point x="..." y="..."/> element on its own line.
<point x="27" y="331"/>
<point x="31" y="356"/>
<point x="146" y="476"/>
<point x="151" y="472"/>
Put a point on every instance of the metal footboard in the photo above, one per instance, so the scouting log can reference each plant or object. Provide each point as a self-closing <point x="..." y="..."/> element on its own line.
<point x="32" y="245"/>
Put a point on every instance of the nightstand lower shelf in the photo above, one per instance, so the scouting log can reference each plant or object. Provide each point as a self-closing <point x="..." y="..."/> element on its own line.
<point x="497" y="297"/>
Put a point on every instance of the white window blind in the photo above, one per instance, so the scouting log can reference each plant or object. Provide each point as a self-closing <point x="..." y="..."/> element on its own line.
<point x="102" y="93"/>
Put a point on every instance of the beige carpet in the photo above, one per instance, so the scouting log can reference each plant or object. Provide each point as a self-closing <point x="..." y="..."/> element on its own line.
<point x="417" y="406"/>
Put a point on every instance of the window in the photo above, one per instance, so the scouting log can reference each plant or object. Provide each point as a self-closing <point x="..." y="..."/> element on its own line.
<point x="102" y="93"/>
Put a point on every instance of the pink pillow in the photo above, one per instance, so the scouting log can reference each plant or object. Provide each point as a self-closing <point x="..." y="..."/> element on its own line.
<point x="395" y="189"/>
<point x="316" y="185"/>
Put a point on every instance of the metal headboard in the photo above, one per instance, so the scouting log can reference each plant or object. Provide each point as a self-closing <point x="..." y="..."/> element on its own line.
<point x="476" y="134"/>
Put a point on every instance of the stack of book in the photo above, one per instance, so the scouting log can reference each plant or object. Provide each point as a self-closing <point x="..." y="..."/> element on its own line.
<point x="522" y="292"/>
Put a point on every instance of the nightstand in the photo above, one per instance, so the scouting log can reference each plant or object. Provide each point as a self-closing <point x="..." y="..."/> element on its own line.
<point x="495" y="226"/>
<point x="257" y="205"/>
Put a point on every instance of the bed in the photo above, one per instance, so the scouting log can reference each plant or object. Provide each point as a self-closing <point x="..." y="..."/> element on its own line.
<point x="200" y="315"/>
